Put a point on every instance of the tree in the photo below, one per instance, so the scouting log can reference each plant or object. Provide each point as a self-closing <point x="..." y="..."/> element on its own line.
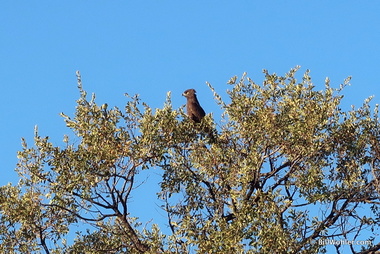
<point x="287" y="170"/>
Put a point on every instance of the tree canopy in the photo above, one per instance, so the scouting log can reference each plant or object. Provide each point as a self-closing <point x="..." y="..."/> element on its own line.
<point x="285" y="171"/>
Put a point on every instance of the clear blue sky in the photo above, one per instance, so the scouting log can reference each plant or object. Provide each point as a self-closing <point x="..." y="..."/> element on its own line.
<point x="152" y="47"/>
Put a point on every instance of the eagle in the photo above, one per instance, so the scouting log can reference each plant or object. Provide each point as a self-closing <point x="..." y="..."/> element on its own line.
<point x="193" y="108"/>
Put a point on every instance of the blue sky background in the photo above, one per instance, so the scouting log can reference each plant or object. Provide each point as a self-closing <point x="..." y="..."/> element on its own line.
<point x="152" y="47"/>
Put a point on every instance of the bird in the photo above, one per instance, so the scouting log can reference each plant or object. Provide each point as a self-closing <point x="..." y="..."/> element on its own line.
<point x="193" y="108"/>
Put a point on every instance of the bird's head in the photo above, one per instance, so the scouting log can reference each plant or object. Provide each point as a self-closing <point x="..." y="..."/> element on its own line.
<point x="189" y="92"/>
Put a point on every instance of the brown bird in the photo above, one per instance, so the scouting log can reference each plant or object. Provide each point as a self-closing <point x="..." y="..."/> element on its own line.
<point x="193" y="108"/>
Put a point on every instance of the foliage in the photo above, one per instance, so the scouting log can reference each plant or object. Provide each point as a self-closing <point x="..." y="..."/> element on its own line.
<point x="286" y="169"/>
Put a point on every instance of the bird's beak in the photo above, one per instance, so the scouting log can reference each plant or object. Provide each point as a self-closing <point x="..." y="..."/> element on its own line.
<point x="183" y="94"/>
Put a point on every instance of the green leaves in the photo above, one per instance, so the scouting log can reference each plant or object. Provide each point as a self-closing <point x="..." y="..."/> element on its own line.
<point x="285" y="167"/>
